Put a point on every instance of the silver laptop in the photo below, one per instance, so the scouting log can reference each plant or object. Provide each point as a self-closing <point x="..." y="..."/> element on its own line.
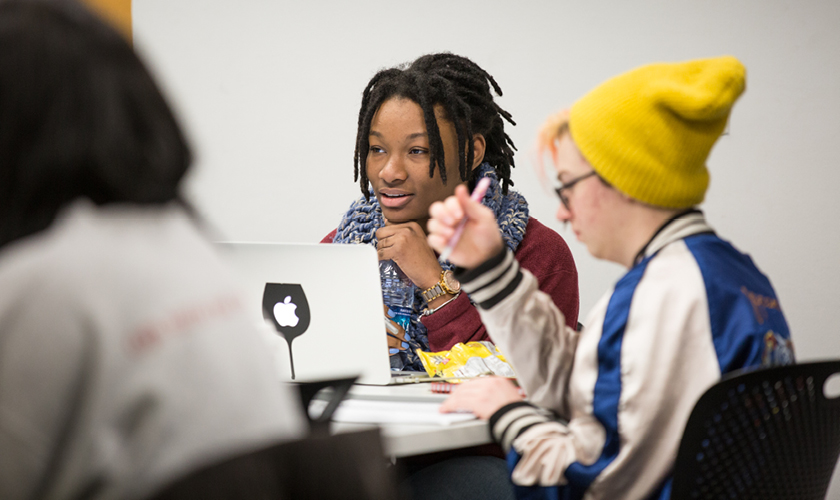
<point x="323" y="305"/>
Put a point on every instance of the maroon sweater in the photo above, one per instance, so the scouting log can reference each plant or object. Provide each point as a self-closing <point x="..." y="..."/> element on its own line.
<point x="545" y="254"/>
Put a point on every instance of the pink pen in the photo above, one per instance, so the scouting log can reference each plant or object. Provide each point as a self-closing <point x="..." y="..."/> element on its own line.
<point x="477" y="195"/>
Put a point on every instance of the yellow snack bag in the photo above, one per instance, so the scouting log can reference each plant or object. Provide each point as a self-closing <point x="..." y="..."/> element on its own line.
<point x="466" y="360"/>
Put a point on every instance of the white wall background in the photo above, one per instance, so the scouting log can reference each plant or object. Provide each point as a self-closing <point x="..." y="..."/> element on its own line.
<point x="269" y="93"/>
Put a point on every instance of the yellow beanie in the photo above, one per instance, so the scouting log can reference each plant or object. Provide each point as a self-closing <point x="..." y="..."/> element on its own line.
<point x="649" y="131"/>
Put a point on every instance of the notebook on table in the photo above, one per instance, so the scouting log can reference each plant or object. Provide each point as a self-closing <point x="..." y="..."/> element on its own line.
<point x="323" y="305"/>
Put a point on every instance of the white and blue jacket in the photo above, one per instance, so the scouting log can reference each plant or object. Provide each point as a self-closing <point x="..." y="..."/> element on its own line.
<point x="692" y="308"/>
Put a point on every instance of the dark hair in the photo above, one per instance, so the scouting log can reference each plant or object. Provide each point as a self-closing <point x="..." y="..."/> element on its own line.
<point x="80" y="116"/>
<point x="462" y="88"/>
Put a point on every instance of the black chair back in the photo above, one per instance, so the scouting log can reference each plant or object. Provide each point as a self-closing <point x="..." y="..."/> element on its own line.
<point x="344" y="466"/>
<point x="764" y="434"/>
<point x="332" y="392"/>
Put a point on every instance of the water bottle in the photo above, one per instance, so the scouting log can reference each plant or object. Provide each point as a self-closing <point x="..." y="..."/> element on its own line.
<point x="398" y="297"/>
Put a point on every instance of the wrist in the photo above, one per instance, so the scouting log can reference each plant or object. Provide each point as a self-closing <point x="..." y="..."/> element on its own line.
<point x="429" y="280"/>
<point x="465" y="275"/>
<point x="438" y="302"/>
<point x="495" y="249"/>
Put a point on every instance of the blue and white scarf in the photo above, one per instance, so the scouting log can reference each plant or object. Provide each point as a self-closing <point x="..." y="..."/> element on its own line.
<point x="364" y="217"/>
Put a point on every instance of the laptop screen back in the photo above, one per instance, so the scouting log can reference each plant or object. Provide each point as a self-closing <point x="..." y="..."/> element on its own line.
<point x="323" y="305"/>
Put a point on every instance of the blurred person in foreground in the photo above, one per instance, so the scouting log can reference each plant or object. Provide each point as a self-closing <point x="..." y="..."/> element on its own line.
<point x="607" y="406"/>
<point x="126" y="356"/>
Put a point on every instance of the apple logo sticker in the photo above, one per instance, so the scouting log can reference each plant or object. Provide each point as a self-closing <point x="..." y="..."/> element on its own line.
<point x="285" y="305"/>
<point x="284" y="312"/>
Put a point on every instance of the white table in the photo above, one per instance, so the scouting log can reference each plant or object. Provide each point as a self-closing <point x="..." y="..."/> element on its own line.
<point x="401" y="440"/>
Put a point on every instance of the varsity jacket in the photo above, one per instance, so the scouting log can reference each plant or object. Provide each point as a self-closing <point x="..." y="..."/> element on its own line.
<point x="608" y="405"/>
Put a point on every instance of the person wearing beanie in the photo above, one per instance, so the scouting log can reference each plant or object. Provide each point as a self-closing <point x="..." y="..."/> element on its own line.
<point x="606" y="406"/>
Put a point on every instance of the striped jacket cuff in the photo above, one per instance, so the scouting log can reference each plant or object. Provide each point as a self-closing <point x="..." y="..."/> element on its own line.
<point x="512" y="420"/>
<point x="492" y="281"/>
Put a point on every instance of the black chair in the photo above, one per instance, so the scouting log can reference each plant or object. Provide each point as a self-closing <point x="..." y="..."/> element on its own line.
<point x="343" y="466"/>
<point x="332" y="392"/>
<point x="764" y="434"/>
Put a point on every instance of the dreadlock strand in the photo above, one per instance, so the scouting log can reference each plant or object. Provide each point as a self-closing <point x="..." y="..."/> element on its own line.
<point x="476" y="73"/>
<point x="465" y="79"/>
<point x="437" y="154"/>
<point x="504" y="114"/>
<point x="362" y="140"/>
<point x="365" y="116"/>
<point x="361" y="127"/>
<point x="367" y="92"/>
<point x="457" y="112"/>
<point x="463" y="126"/>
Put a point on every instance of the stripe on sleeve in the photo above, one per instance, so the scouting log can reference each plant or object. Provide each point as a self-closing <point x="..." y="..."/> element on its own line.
<point x="514" y="421"/>
<point x="495" y="283"/>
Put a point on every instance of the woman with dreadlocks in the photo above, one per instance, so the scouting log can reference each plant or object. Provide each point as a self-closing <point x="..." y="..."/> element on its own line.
<point x="424" y="128"/>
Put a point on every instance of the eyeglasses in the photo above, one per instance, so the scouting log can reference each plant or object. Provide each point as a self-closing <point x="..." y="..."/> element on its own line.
<point x="569" y="185"/>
